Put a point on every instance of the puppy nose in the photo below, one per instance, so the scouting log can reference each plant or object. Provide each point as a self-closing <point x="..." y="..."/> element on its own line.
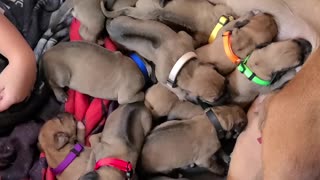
<point x="305" y="47"/>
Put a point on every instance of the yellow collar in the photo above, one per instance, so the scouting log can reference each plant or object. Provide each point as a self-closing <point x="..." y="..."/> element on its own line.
<point x="223" y="20"/>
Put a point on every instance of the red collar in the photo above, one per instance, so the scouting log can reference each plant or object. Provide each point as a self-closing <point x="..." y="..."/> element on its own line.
<point x="122" y="165"/>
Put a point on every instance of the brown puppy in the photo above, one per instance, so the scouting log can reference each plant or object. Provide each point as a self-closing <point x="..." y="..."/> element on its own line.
<point x="161" y="45"/>
<point x="163" y="102"/>
<point x="89" y="13"/>
<point x="177" y="144"/>
<point x="93" y="70"/>
<point x="57" y="137"/>
<point x="247" y="33"/>
<point x="269" y="64"/>
<point x="122" y="137"/>
<point x="118" y="4"/>
<point x="198" y="17"/>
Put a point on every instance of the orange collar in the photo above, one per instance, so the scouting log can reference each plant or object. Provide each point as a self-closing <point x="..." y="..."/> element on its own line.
<point x="227" y="48"/>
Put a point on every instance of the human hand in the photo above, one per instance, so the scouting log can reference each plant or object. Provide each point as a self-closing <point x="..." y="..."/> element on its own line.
<point x="16" y="83"/>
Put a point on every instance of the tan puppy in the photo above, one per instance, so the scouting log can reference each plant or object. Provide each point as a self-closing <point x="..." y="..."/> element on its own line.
<point x="57" y="137"/>
<point x="198" y="17"/>
<point x="118" y="4"/>
<point x="295" y="18"/>
<point x="269" y="64"/>
<point x="163" y="102"/>
<point x="122" y="137"/>
<point x="247" y="33"/>
<point x="89" y="13"/>
<point x="177" y="144"/>
<point x="93" y="70"/>
<point x="161" y="45"/>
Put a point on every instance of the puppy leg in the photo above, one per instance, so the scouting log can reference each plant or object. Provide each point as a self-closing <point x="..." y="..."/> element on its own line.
<point x="60" y="94"/>
<point x="58" y="77"/>
<point x="212" y="165"/>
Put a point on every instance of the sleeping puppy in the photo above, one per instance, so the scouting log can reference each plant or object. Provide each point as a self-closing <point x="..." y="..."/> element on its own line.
<point x="122" y="138"/>
<point x="198" y="17"/>
<point x="57" y="138"/>
<point x="164" y="47"/>
<point x="177" y="144"/>
<point x="272" y="66"/>
<point x="89" y="13"/>
<point x="163" y="102"/>
<point x="93" y="70"/>
<point x="118" y="4"/>
<point x="246" y="33"/>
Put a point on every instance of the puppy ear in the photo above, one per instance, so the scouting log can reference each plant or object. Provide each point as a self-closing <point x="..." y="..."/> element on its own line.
<point x="90" y="176"/>
<point x="240" y="24"/>
<point x="163" y="3"/>
<point x="60" y="140"/>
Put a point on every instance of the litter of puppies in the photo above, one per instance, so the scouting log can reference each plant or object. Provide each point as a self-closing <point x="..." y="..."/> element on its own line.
<point x="198" y="72"/>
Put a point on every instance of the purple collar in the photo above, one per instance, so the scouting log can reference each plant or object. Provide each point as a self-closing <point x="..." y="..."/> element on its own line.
<point x="74" y="153"/>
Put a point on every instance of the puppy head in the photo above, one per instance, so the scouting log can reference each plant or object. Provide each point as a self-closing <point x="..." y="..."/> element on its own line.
<point x="232" y="118"/>
<point x="273" y="61"/>
<point x="58" y="132"/>
<point x="206" y="84"/>
<point x="252" y="32"/>
<point x="160" y="100"/>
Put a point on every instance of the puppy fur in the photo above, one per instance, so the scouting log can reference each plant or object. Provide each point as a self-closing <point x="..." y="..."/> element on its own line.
<point x="89" y="13"/>
<point x="198" y="17"/>
<point x="248" y="32"/>
<point x="161" y="45"/>
<point x="118" y="4"/>
<point x="57" y="137"/>
<point x="122" y="137"/>
<point x="276" y="62"/>
<point x="110" y="75"/>
<point x="163" y="102"/>
<point x="177" y="144"/>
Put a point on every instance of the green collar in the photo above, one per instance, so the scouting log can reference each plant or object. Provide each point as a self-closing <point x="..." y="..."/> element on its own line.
<point x="244" y="69"/>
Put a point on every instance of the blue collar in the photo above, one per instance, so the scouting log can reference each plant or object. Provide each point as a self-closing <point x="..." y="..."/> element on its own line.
<point x="140" y="65"/>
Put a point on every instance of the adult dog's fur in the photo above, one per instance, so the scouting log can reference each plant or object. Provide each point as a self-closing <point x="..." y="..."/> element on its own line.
<point x="57" y="137"/>
<point x="269" y="63"/>
<point x="177" y="144"/>
<point x="93" y="70"/>
<point x="122" y="137"/>
<point x="198" y="17"/>
<point x="248" y="32"/>
<point x="158" y="43"/>
<point x="292" y="127"/>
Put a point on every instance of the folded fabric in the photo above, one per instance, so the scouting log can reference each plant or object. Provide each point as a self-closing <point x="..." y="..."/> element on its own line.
<point x="17" y="151"/>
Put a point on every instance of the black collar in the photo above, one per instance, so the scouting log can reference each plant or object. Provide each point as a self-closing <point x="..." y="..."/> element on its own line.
<point x="213" y="119"/>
